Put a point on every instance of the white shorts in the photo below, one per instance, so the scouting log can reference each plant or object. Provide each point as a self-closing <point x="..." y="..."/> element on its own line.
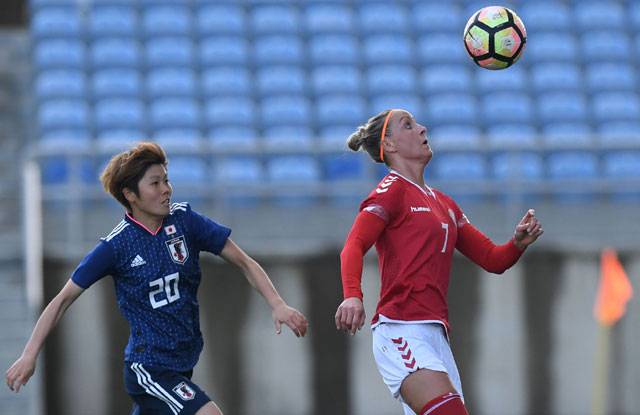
<point x="401" y="349"/>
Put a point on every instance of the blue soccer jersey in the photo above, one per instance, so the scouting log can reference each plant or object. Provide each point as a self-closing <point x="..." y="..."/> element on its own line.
<point x="156" y="277"/>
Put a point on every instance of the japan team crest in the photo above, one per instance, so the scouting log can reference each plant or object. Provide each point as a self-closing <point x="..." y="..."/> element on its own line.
<point x="178" y="250"/>
<point x="184" y="391"/>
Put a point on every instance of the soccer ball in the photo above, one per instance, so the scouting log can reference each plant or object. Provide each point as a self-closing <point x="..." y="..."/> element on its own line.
<point x="495" y="37"/>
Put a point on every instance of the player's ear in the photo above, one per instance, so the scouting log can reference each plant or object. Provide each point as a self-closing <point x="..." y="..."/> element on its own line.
<point x="129" y="194"/>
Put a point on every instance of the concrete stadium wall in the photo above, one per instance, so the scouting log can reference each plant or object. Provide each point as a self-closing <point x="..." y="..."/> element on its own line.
<point x="525" y="342"/>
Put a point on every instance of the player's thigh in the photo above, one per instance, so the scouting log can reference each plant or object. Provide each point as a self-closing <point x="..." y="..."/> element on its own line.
<point x="209" y="409"/>
<point x="423" y="386"/>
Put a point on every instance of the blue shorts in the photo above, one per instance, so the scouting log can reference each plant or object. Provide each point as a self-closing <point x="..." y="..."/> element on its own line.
<point x="158" y="391"/>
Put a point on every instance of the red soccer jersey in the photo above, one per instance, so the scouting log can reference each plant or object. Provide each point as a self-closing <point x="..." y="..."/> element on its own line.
<point x="415" y="248"/>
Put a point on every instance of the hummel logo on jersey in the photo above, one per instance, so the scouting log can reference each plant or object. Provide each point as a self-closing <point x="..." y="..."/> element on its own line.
<point x="137" y="261"/>
<point x="420" y="209"/>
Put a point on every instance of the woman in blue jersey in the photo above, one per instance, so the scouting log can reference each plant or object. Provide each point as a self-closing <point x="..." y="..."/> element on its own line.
<point x="152" y="255"/>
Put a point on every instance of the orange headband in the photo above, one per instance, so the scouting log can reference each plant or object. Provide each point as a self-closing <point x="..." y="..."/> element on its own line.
<point x="384" y="131"/>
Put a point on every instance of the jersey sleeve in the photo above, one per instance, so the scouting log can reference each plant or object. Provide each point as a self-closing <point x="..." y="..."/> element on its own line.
<point x="97" y="264"/>
<point x="209" y="235"/>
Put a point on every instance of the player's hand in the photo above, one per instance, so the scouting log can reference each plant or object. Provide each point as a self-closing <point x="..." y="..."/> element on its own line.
<point x="350" y="315"/>
<point x="292" y="318"/>
<point x="528" y="230"/>
<point x="20" y="372"/>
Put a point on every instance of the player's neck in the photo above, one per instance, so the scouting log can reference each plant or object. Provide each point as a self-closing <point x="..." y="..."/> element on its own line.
<point x="150" y="222"/>
<point x="415" y="173"/>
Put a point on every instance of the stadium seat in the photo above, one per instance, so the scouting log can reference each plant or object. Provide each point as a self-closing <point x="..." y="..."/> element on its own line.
<point x="293" y="137"/>
<point x="513" y="79"/>
<point x="455" y="136"/>
<point x="435" y="49"/>
<point x="228" y="80"/>
<point x="238" y="170"/>
<point x="113" y="21"/>
<point x="285" y="110"/>
<point x="221" y="19"/>
<point x="596" y="15"/>
<point x="572" y="165"/>
<point x="443" y="108"/>
<point x="562" y="106"/>
<point x="334" y="49"/>
<point x="614" y="106"/>
<point x="65" y="139"/>
<point x="59" y="53"/>
<point x="512" y="136"/>
<point x="178" y="139"/>
<point x="623" y="167"/>
<point x="605" y="45"/>
<point x="460" y="166"/>
<point x="230" y="111"/>
<point x="393" y="49"/>
<point x="341" y="110"/>
<point x="188" y="170"/>
<point x="61" y="83"/>
<point x="436" y="17"/>
<point x="281" y="79"/>
<point x="275" y="19"/>
<point x="63" y="170"/>
<point x="553" y="47"/>
<point x="410" y="102"/>
<point x="175" y="112"/>
<point x="278" y="49"/>
<point x="546" y="15"/>
<point x="114" y="140"/>
<point x="166" y="20"/>
<point x="116" y="83"/>
<point x="171" y="82"/>
<point x="37" y="4"/>
<point x="224" y="50"/>
<point x="611" y="76"/>
<point x="619" y="134"/>
<point x="345" y="79"/>
<point x="446" y="78"/>
<point x="556" y="76"/>
<point x="517" y="166"/>
<point x="343" y="167"/>
<point x="564" y="134"/>
<point x="329" y="18"/>
<point x="293" y="170"/>
<point x="63" y="114"/>
<point x="376" y="18"/>
<point x="335" y="136"/>
<point x="56" y="22"/>
<point x="233" y="138"/>
<point x="391" y="79"/>
<point x="634" y="14"/>
<point x="169" y="51"/>
<point x="116" y="52"/>
<point x="119" y="113"/>
<point x="506" y="107"/>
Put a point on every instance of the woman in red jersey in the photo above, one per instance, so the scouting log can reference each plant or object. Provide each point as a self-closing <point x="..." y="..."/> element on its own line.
<point x="416" y="229"/>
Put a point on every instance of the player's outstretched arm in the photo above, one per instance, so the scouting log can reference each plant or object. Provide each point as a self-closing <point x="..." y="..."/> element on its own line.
<point x="528" y="230"/>
<point x="23" y="368"/>
<point x="258" y="278"/>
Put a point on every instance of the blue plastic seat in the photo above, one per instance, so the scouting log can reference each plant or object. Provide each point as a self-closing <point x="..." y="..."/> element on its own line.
<point x="286" y="109"/>
<point x="230" y="111"/>
<point x="221" y="19"/>
<point x="278" y="49"/>
<point x="614" y="106"/>
<point x="114" y="140"/>
<point x="344" y="167"/>
<point x="409" y="102"/>
<point x="233" y="137"/>
<point x="444" y="108"/>
<point x="517" y="166"/>
<point x="436" y="49"/>
<point x="392" y="79"/>
<point x="228" y="80"/>
<point x="446" y="78"/>
<point x="341" y="109"/>
<point x="238" y="170"/>
<point x="553" y="47"/>
<point x="572" y="165"/>
<point x="329" y="18"/>
<point x="178" y="139"/>
<point x="166" y="20"/>
<point x="169" y="51"/>
<point x="68" y="138"/>
<point x="395" y="49"/>
<point x="63" y="114"/>
<point x="375" y="18"/>
<point x="622" y="165"/>
<point x="609" y="45"/>
<point x="171" y="82"/>
<point x="292" y="170"/>
<point x="56" y="22"/>
<point x="59" y="53"/>
<point x="611" y="76"/>
<point x="563" y="134"/>
<point x="61" y="83"/>
<point x="62" y="170"/>
<point x="288" y="136"/>
<point x="562" y="106"/>
<point x="334" y="49"/>
<point x="512" y="79"/>
<point x="273" y="19"/>
<point x="507" y="107"/>
<point x="113" y="21"/>
<point x="174" y="112"/>
<point x="336" y="79"/>
<point x="619" y="133"/>
<point x="335" y="136"/>
<point x="116" y="52"/>
<point x="460" y="166"/>
<point x="117" y="113"/>
<point x="454" y="136"/>
<point x="116" y="83"/>
<point x="188" y="170"/>
<point x="512" y="136"/>
<point x="281" y="79"/>
<point x="437" y="17"/>
<point x="224" y="50"/>
<point x="36" y="4"/>
<point x="590" y="15"/>
<point x="556" y="76"/>
<point x="634" y="14"/>
<point x="546" y="15"/>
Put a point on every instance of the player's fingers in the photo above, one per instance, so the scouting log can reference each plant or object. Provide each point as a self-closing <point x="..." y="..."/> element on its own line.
<point x="278" y="326"/>
<point x="341" y="319"/>
<point x="355" y="323"/>
<point x="532" y="223"/>
<point x="337" y="318"/>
